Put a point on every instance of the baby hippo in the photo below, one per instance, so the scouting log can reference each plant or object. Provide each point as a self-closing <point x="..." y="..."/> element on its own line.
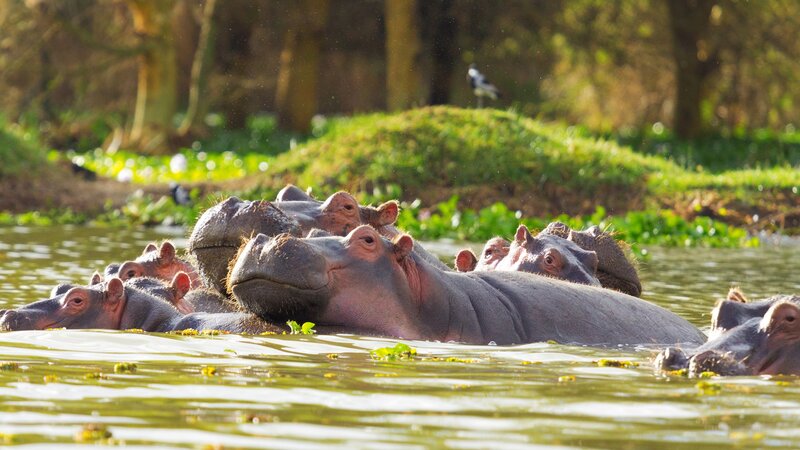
<point x="495" y="249"/>
<point x="544" y="255"/>
<point x="158" y="262"/>
<point x="767" y="345"/>
<point x="115" y="305"/>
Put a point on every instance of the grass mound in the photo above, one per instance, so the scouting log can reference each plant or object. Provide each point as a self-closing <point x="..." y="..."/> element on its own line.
<point x="436" y="152"/>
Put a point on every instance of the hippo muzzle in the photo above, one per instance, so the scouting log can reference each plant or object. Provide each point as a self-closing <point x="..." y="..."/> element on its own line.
<point x="13" y="320"/>
<point x="280" y="278"/>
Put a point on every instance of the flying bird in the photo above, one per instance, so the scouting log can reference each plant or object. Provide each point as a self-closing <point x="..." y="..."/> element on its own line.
<point x="481" y="86"/>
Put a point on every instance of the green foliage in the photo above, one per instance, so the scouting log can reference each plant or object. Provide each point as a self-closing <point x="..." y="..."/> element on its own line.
<point x="450" y="147"/>
<point x="306" y="328"/>
<point x="20" y="150"/>
<point x="662" y="227"/>
<point x="399" y="352"/>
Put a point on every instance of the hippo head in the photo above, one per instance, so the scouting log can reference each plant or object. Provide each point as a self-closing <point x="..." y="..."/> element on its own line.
<point x="220" y="231"/>
<point x="173" y="291"/>
<point x="768" y="345"/>
<point x="550" y="255"/>
<point x="158" y="262"/>
<point x="357" y="282"/>
<point x="615" y="266"/>
<point x="98" y="306"/>
<point x="339" y="214"/>
<point x="736" y="309"/>
<point x="495" y="250"/>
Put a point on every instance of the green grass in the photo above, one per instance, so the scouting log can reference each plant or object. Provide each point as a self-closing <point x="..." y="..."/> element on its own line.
<point x="20" y="150"/>
<point x="450" y="147"/>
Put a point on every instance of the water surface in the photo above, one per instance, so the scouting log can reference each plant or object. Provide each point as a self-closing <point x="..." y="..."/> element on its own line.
<point x="326" y="392"/>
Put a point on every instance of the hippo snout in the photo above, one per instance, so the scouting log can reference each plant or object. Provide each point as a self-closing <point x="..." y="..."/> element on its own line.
<point x="671" y="358"/>
<point x="11" y="320"/>
<point x="283" y="259"/>
<point x="716" y="362"/>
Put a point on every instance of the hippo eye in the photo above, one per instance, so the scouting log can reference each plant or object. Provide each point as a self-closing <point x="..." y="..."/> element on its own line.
<point x="77" y="300"/>
<point x="369" y="239"/>
<point x="487" y="254"/>
<point x="790" y="318"/>
<point x="548" y="259"/>
<point x="131" y="274"/>
<point x="348" y="207"/>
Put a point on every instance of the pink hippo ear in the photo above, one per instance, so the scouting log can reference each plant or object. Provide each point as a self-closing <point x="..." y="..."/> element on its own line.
<point x="522" y="235"/>
<point x="166" y="253"/>
<point x="466" y="261"/>
<point x="115" y="298"/>
<point x="181" y="284"/>
<point x="387" y="213"/>
<point x="151" y="247"/>
<point x="96" y="278"/>
<point x="402" y="246"/>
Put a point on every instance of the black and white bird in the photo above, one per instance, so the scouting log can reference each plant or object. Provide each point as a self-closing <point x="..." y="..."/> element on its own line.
<point x="481" y="86"/>
<point x="180" y="195"/>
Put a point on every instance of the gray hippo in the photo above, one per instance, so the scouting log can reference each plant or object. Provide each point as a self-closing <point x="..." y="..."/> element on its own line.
<point x="550" y="255"/>
<point x="220" y="230"/>
<point x="363" y="283"/>
<point x="767" y="345"/>
<point x="115" y="305"/>
<point x="616" y="267"/>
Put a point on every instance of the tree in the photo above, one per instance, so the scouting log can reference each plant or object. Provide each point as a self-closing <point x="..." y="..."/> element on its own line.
<point x="198" y="103"/>
<point x="156" y="94"/>
<point x="695" y="61"/>
<point x="296" y="97"/>
<point x="403" y="48"/>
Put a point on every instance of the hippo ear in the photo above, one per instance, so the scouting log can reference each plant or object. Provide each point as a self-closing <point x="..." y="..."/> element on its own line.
<point x="151" y="247"/>
<point x="387" y="213"/>
<point x="292" y="193"/>
<point x="181" y="284"/>
<point x="736" y="295"/>
<point x="114" y="295"/>
<point x="96" y="278"/>
<point x="590" y="259"/>
<point x="782" y="320"/>
<point x="402" y="246"/>
<point x="167" y="253"/>
<point x="466" y="261"/>
<point x="522" y="235"/>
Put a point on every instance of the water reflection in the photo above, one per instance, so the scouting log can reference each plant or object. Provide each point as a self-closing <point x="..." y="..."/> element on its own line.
<point x="326" y="392"/>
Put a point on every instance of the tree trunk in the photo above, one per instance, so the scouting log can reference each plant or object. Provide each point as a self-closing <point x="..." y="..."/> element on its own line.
<point x="198" y="101"/>
<point x="445" y="52"/>
<point x="403" y="48"/>
<point x="296" y="97"/>
<point x="156" y="93"/>
<point x="689" y="24"/>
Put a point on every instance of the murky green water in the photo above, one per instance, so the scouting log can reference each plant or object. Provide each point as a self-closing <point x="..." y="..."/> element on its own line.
<point x="291" y="392"/>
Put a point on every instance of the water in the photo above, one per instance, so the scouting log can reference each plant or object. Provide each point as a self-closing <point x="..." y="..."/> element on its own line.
<point x="325" y="392"/>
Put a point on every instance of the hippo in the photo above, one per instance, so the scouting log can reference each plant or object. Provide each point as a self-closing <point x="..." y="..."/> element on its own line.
<point x="158" y="262"/>
<point x="364" y="283"/>
<point x="615" y="265"/>
<point x="493" y="251"/>
<point x="115" y="305"/>
<point x="219" y="232"/>
<point x="736" y="309"/>
<point x="767" y="345"/>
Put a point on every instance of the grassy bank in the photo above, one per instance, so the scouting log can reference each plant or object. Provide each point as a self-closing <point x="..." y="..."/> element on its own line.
<point x="467" y="174"/>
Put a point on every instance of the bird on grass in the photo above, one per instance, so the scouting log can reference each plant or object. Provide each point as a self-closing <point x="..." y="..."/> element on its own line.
<point x="481" y="86"/>
<point x="180" y="195"/>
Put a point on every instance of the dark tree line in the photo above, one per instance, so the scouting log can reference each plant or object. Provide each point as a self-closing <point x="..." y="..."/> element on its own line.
<point x="695" y="65"/>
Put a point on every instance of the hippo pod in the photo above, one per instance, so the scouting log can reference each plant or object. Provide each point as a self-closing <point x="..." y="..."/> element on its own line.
<point x="767" y="345"/>
<point x="364" y="283"/>
<point x="141" y="303"/>
<point x="220" y="230"/>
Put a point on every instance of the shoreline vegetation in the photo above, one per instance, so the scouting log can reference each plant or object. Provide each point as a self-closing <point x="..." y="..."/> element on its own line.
<point x="460" y="173"/>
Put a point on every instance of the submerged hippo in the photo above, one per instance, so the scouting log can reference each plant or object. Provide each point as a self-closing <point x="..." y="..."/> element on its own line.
<point x="615" y="266"/>
<point x="219" y="232"/>
<point x="736" y="309"/>
<point x="116" y="306"/>
<point x="767" y="345"/>
<point x="544" y="255"/>
<point x="493" y="251"/>
<point x="364" y="283"/>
